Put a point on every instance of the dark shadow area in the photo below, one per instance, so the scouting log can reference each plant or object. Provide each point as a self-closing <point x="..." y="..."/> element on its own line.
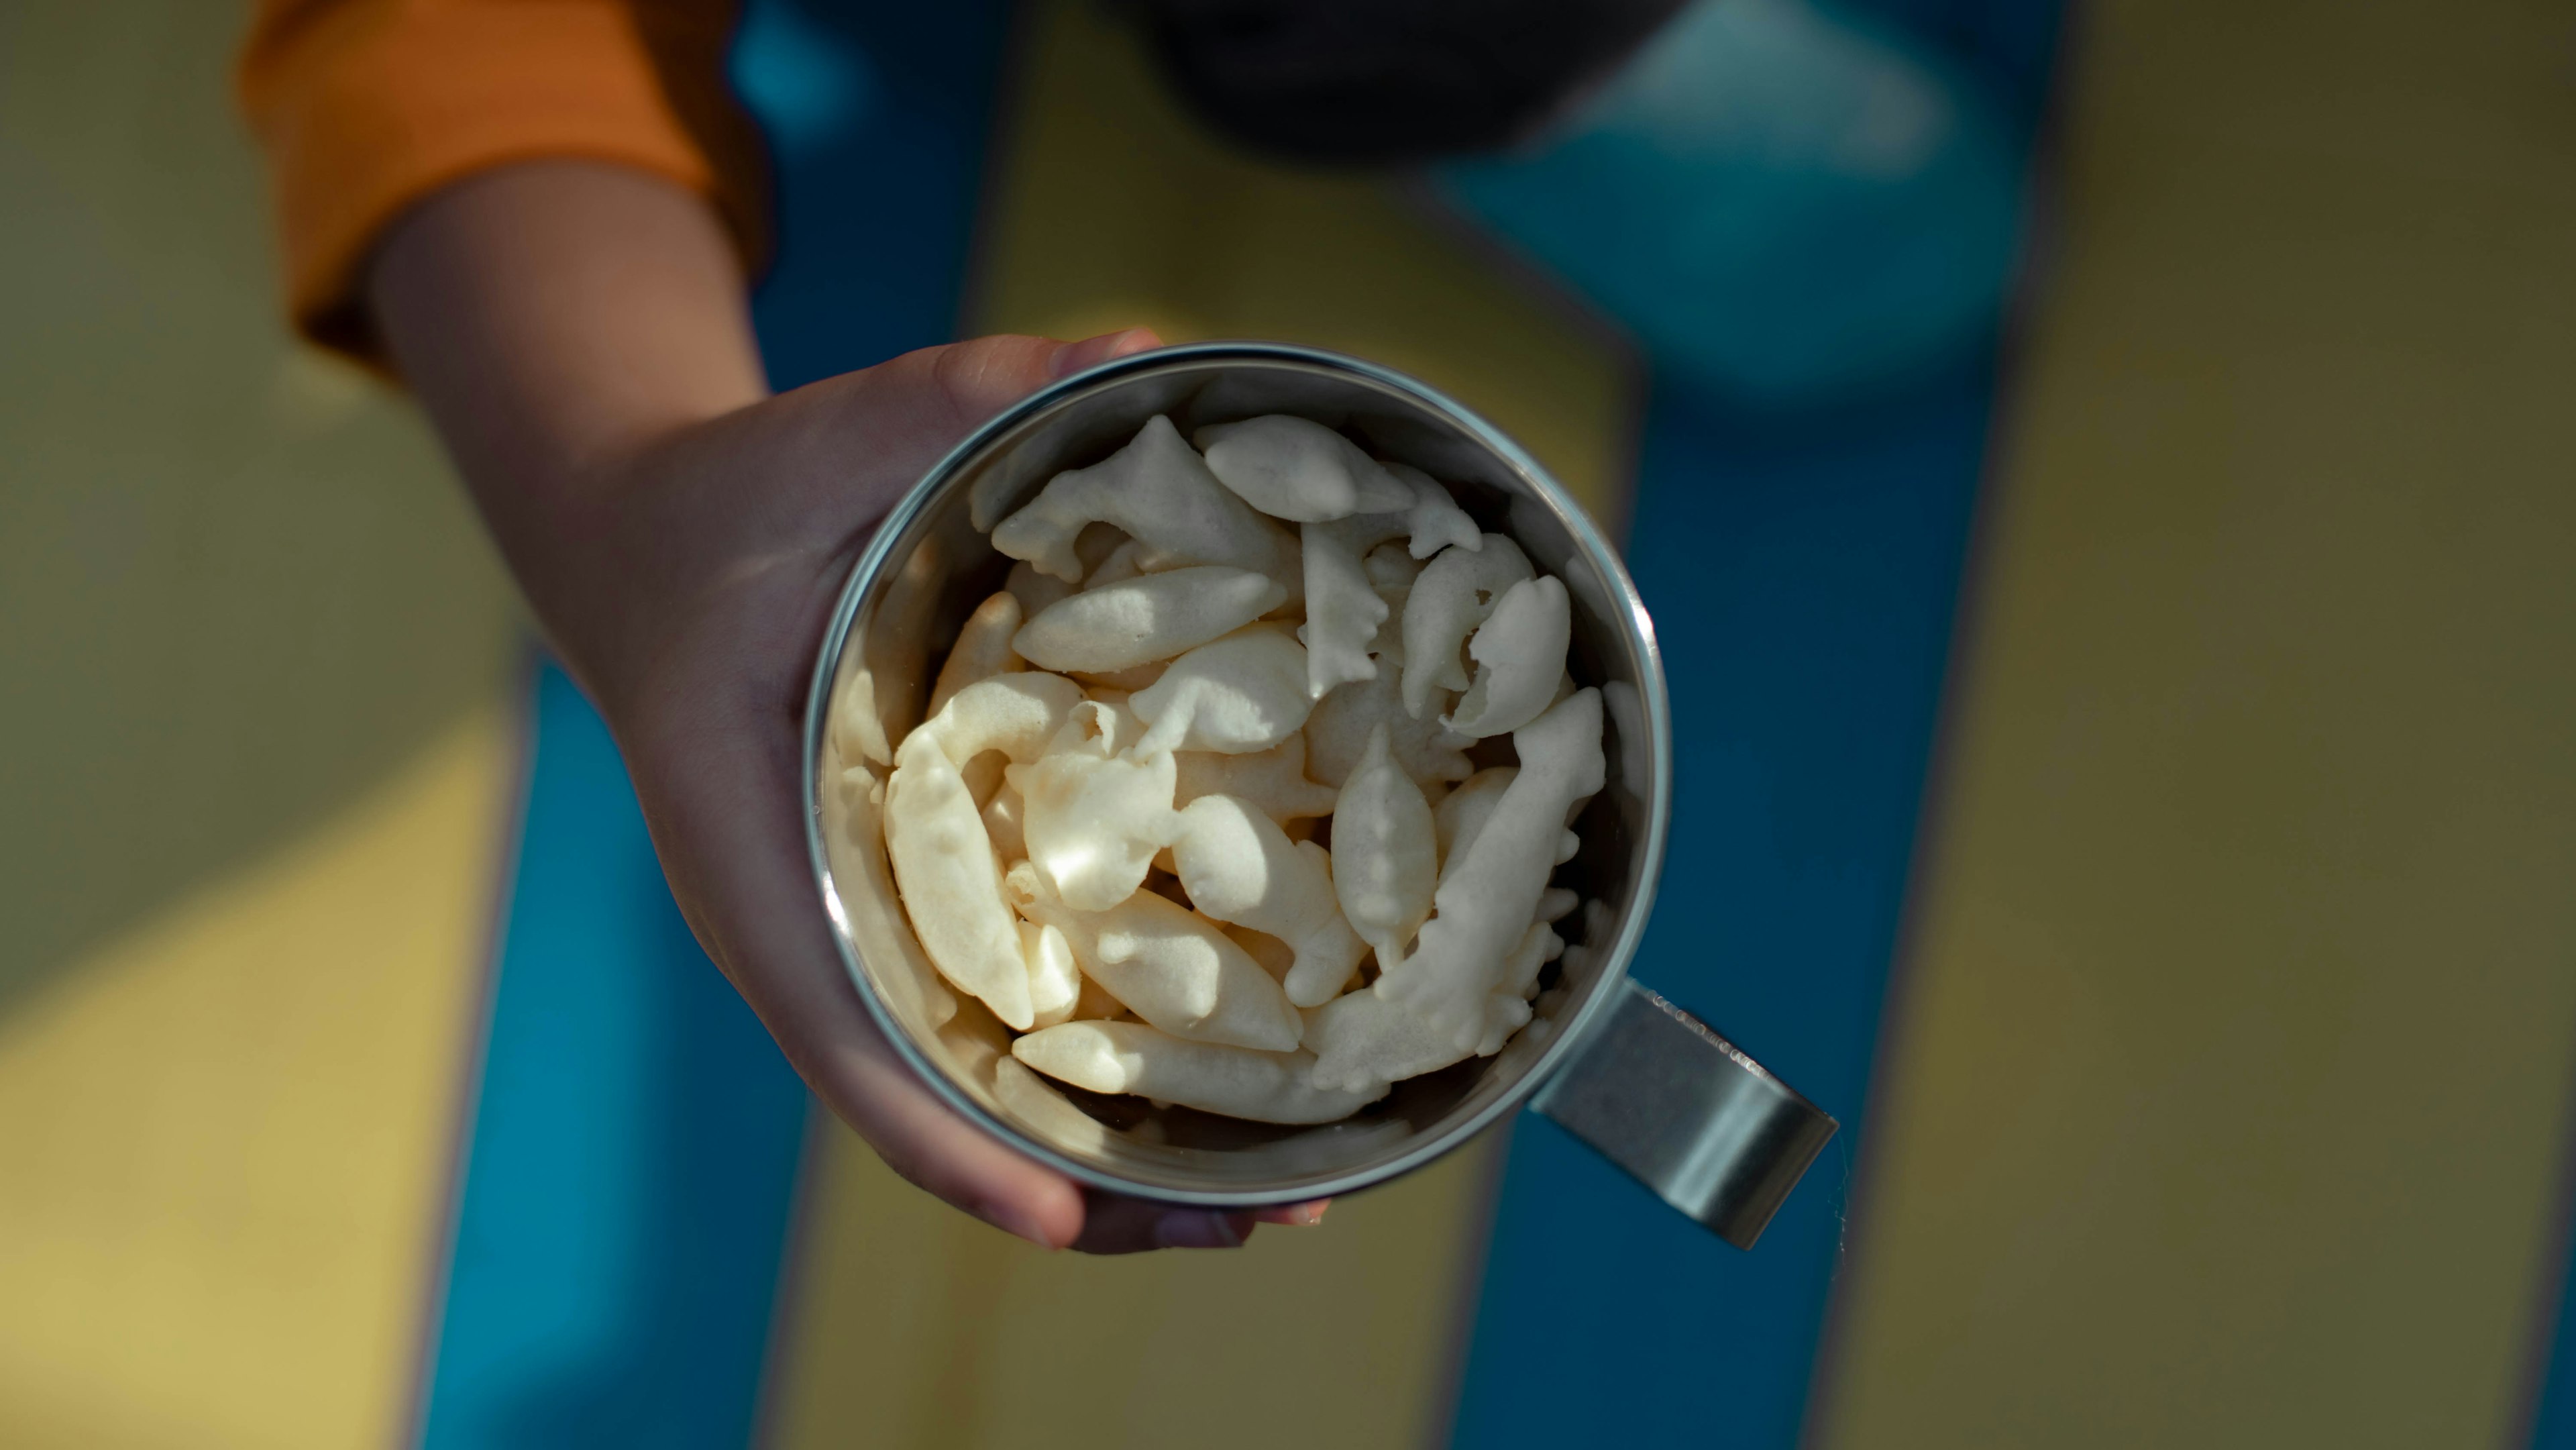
<point x="237" y="589"/>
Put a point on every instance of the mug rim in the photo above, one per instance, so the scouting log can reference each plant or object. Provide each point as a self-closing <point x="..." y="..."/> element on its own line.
<point x="1637" y="624"/>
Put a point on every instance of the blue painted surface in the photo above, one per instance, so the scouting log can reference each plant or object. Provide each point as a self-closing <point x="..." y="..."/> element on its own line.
<point x="1800" y="540"/>
<point x="876" y="197"/>
<point x="1782" y="202"/>
<point x="630" y="1178"/>
<point x="1802" y="586"/>
<point x="634" y="1150"/>
<point x="808" y="84"/>
<point x="2554" y="1417"/>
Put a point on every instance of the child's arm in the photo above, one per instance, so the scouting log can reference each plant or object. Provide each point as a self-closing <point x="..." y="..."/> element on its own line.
<point x="366" y="107"/>
<point x="577" y="333"/>
<point x="576" y="329"/>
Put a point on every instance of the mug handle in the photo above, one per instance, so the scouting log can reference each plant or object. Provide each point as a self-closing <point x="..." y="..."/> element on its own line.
<point x="1685" y="1113"/>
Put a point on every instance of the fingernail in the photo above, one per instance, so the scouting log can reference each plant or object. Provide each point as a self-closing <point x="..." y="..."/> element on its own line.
<point x="1073" y="357"/>
<point x="1191" y="1230"/>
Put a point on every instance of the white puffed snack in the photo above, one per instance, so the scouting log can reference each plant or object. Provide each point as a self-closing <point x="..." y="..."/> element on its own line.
<point x="1124" y="682"/>
<point x="950" y="883"/>
<point x="1390" y="568"/>
<point x="1169" y="965"/>
<point x="983" y="648"/>
<point x="1456" y="976"/>
<point x="1273" y="779"/>
<point x="1238" y="866"/>
<point x="1385" y="853"/>
<point x="1034" y="590"/>
<point x="1124" y="562"/>
<point x="1131" y="1057"/>
<point x="1461" y="813"/>
<point x="983" y="777"/>
<point x="1236" y="695"/>
<point x="1096" y="545"/>
<point x="1433" y="521"/>
<point x="1391" y="572"/>
<point x="1111" y="827"/>
<point x="1346" y="597"/>
<point x="1520" y="657"/>
<point x="1018" y="714"/>
<point x="1538" y="946"/>
<point x="1032" y="1100"/>
<point x="1363" y="1042"/>
<point x="1092" y="815"/>
<point x="1147" y="618"/>
<point x="1338" y="732"/>
<point x="1453" y="595"/>
<point x="1343" y="608"/>
<point x="937" y="841"/>
<point x="1294" y="469"/>
<point x="1557" y="903"/>
<point x="1269" y="952"/>
<point x="1159" y="491"/>
<point x="1003" y="815"/>
<point x="1055" y="982"/>
<point x="1096" y="1005"/>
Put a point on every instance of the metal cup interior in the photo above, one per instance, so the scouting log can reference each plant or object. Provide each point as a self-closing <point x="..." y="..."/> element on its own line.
<point x="931" y="565"/>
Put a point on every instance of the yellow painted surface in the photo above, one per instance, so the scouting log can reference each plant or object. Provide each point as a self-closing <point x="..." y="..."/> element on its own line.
<point x="224" y="1136"/>
<point x="913" y="1325"/>
<point x="2244" y="1000"/>
<point x="907" y="1323"/>
<point x="237" y="586"/>
<point x="253" y="771"/>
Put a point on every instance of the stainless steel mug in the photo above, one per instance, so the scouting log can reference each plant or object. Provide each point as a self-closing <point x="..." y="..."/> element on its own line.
<point x="1646" y="1083"/>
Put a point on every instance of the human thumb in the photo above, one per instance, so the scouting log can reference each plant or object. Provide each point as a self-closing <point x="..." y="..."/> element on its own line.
<point x="1073" y="357"/>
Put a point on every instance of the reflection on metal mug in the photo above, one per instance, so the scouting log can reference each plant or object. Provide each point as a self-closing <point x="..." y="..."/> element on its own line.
<point x="1644" y="1082"/>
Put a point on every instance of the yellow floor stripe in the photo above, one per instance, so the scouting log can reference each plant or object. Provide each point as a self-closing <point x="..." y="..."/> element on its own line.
<point x="910" y="1325"/>
<point x="918" y="1327"/>
<point x="223" y="1138"/>
<point x="254" y="648"/>
<point x="237" y="583"/>
<point x="256" y="653"/>
<point x="2244" y="1012"/>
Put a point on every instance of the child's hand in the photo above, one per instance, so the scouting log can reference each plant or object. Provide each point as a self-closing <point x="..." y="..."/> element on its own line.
<point x="576" y="332"/>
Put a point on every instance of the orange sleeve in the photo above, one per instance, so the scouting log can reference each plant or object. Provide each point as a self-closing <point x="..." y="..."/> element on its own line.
<point x="366" y="106"/>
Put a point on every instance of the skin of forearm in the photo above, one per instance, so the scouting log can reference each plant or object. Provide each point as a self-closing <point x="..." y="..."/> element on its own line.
<point x="552" y="313"/>
<point x="555" y="319"/>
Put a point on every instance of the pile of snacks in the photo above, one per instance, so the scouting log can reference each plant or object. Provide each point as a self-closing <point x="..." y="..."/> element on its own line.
<point x="1193" y="809"/>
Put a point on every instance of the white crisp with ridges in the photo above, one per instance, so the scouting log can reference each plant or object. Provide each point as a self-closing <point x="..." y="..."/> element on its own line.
<point x="1130" y="1057"/>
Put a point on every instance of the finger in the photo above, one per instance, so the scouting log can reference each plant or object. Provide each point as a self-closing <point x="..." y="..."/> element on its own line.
<point x="903" y="415"/>
<point x="1091" y="352"/>
<point x="973" y="380"/>
<point x="983" y="376"/>
<point x="1295" y="1215"/>
<point x="1115" y="1224"/>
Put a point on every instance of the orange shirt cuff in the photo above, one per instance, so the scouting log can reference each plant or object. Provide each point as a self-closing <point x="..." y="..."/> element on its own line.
<point x="366" y="108"/>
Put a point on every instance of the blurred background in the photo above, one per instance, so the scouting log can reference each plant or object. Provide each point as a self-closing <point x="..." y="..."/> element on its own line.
<point x="2101" y="476"/>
